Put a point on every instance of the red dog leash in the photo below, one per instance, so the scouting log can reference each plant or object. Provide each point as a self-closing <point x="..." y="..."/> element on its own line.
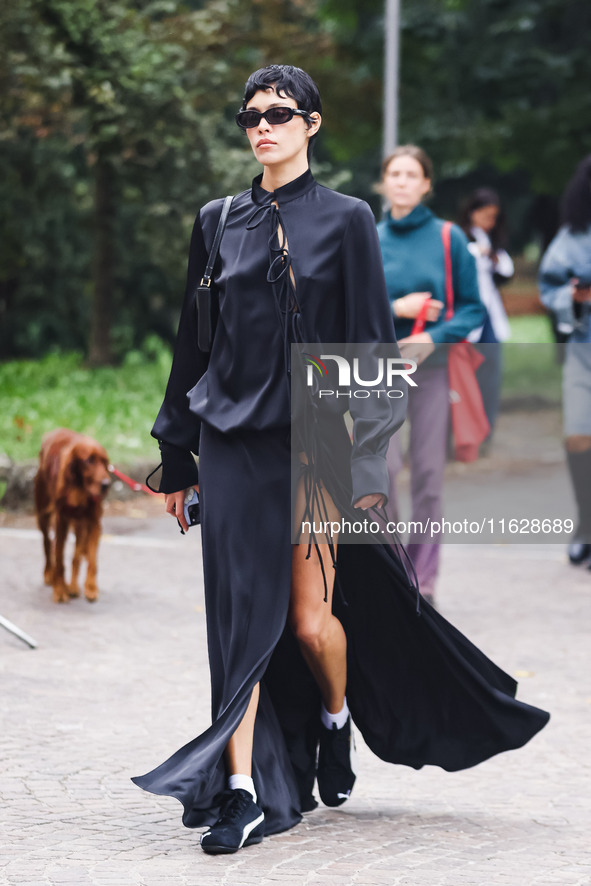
<point x="133" y="484"/>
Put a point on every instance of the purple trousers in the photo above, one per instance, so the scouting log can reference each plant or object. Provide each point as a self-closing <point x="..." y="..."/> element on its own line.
<point x="428" y="414"/>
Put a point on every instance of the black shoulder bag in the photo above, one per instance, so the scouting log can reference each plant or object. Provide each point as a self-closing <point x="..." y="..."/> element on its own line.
<point x="203" y="294"/>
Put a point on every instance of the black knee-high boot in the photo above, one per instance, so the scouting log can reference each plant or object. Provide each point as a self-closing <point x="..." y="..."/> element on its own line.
<point x="579" y="466"/>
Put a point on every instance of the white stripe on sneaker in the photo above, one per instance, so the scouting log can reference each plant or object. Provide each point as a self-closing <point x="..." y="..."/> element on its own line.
<point x="353" y="753"/>
<point x="249" y="828"/>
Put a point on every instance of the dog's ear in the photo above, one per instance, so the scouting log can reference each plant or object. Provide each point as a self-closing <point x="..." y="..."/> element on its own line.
<point x="66" y="472"/>
<point x="102" y="455"/>
<point x="73" y="469"/>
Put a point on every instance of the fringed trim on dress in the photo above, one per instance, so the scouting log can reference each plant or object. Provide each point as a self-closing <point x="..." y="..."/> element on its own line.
<point x="280" y="276"/>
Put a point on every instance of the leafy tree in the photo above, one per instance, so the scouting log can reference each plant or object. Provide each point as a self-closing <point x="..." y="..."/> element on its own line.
<point x="131" y="106"/>
<point x="116" y="124"/>
<point x="506" y="85"/>
<point x="492" y="89"/>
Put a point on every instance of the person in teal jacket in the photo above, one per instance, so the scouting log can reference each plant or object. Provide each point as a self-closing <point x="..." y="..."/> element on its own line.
<point x="414" y="266"/>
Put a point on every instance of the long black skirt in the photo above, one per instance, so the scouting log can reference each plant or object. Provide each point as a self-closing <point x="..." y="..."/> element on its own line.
<point x="419" y="691"/>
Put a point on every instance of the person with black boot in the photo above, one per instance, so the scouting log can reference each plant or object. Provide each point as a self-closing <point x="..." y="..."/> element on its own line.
<point x="579" y="465"/>
<point x="565" y="289"/>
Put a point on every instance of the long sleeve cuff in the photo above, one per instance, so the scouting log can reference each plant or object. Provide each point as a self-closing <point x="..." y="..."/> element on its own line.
<point x="179" y="470"/>
<point x="369" y="475"/>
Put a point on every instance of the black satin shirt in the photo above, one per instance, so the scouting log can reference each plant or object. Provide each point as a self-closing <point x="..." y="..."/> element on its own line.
<point x="328" y="278"/>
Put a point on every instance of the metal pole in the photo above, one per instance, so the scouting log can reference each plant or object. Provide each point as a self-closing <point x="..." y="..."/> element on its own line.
<point x="17" y="632"/>
<point x="391" y="75"/>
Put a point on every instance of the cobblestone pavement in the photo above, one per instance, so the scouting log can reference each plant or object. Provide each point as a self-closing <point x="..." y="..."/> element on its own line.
<point x="116" y="686"/>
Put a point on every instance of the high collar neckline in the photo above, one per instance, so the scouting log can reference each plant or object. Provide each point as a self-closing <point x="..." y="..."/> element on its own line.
<point x="420" y="215"/>
<point x="285" y="193"/>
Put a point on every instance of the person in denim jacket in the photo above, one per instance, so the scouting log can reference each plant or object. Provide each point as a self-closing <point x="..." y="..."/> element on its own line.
<point x="565" y="289"/>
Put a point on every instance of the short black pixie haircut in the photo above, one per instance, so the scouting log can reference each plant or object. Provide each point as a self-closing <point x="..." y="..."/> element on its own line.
<point x="288" y="81"/>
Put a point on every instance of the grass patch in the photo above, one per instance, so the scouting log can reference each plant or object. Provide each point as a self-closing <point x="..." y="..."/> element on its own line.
<point x="531" y="328"/>
<point x="116" y="405"/>
<point x="531" y="371"/>
<point x="530" y="364"/>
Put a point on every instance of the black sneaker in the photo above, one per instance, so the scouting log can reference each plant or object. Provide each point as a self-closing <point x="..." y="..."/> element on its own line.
<point x="578" y="552"/>
<point x="241" y="823"/>
<point x="336" y="764"/>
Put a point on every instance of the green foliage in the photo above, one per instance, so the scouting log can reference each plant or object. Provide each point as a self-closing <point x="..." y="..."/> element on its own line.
<point x="531" y="368"/>
<point x="116" y="406"/>
<point x="44" y="234"/>
<point x="532" y="372"/>
<point x="148" y="91"/>
<point x="494" y="90"/>
<point x="506" y="85"/>
<point x="531" y="329"/>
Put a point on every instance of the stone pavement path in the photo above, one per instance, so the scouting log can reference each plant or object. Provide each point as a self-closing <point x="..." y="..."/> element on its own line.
<point x="116" y="686"/>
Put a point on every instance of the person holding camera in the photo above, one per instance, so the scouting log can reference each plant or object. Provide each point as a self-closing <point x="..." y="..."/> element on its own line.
<point x="565" y="289"/>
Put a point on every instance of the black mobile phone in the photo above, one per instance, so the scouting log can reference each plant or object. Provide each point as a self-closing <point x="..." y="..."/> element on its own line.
<point x="192" y="510"/>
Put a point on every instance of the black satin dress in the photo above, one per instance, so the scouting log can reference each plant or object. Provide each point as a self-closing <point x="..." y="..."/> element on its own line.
<point x="303" y="264"/>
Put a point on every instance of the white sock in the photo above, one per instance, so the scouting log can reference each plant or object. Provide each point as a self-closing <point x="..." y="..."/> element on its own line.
<point x="242" y="781"/>
<point x="338" y="720"/>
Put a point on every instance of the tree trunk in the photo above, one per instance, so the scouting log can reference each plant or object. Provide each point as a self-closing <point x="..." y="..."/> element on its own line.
<point x="99" y="350"/>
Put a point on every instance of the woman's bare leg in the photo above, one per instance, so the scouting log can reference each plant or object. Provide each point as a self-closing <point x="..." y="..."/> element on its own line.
<point x="323" y="644"/>
<point x="319" y="633"/>
<point x="241" y="821"/>
<point x="239" y="747"/>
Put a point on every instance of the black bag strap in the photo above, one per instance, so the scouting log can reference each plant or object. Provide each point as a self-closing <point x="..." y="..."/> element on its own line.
<point x="203" y="300"/>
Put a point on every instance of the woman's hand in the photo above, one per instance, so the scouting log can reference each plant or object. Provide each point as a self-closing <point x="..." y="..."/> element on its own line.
<point x="417" y="347"/>
<point x="374" y="500"/>
<point x="409" y="306"/>
<point x="580" y="294"/>
<point x="175" y="505"/>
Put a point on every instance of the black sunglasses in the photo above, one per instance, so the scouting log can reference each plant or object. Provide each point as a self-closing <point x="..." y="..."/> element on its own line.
<point x="274" y="116"/>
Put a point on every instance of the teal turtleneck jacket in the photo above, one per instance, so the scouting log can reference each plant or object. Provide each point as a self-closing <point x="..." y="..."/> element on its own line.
<point x="412" y="252"/>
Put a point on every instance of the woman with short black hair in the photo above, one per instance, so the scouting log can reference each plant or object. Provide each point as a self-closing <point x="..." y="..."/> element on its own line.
<point x="297" y="262"/>
<point x="300" y="263"/>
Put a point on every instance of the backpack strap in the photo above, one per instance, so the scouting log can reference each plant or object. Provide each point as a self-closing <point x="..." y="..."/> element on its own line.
<point x="449" y="283"/>
<point x="203" y="294"/>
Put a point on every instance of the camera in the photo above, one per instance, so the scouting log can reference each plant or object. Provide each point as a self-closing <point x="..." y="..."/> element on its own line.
<point x="192" y="509"/>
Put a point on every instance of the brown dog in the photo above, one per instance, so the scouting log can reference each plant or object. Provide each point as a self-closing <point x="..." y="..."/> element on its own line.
<point x="70" y="485"/>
